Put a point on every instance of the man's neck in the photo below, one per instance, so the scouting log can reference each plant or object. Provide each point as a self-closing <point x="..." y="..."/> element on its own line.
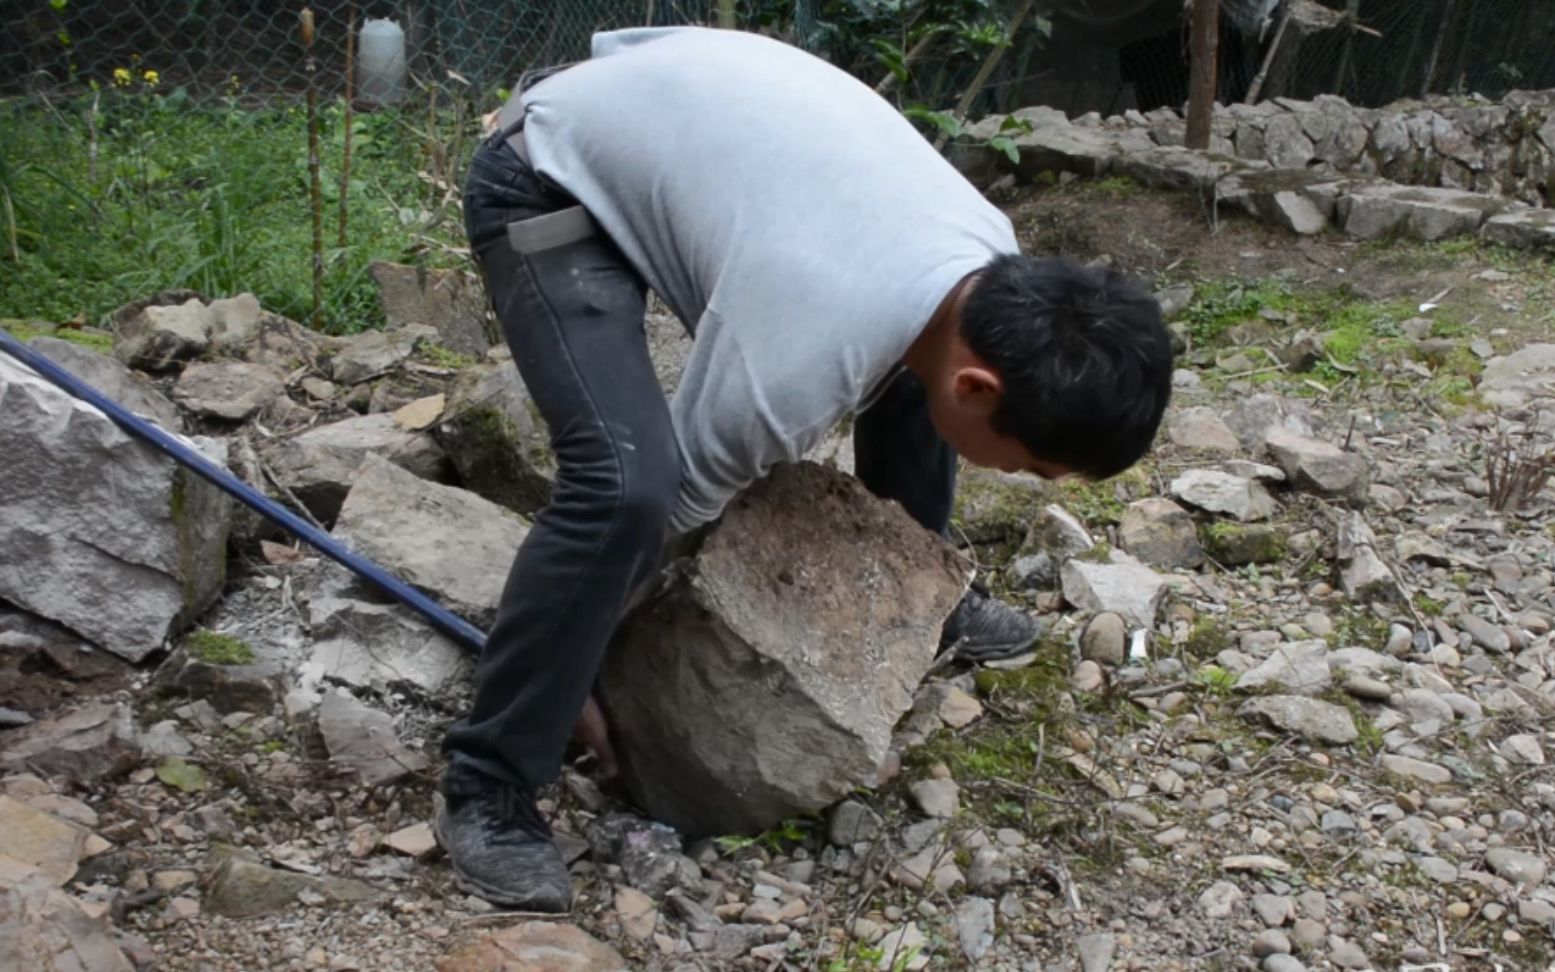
<point x="928" y="350"/>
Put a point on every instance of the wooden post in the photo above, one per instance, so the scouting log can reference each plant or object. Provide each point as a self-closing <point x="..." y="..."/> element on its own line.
<point x="1436" y="48"/>
<point x="1204" y="46"/>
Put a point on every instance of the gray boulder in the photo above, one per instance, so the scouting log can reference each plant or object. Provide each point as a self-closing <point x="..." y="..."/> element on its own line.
<point x="1202" y="429"/>
<point x="446" y="541"/>
<point x="1219" y="492"/>
<point x="1363" y="574"/>
<point x="1318" y="466"/>
<point x="1296" y="666"/>
<point x="320" y="464"/>
<point x="102" y="533"/>
<point x="374" y="353"/>
<point x="86" y="746"/>
<point x="1055" y="536"/>
<point x="1321" y="722"/>
<point x="1514" y="380"/>
<point x="159" y="338"/>
<point x="766" y="677"/>
<point x="43" y="929"/>
<point x="1527" y="229"/>
<point x="363" y="740"/>
<point x="1423" y="212"/>
<point x="494" y="436"/>
<point x="1160" y="533"/>
<point x="113" y="379"/>
<point x="228" y="390"/>
<point x="1254" y="417"/>
<point x="450" y="301"/>
<point x="362" y="641"/>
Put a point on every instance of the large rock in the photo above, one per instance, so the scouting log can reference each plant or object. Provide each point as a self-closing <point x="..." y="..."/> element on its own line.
<point x="445" y="540"/>
<point x="496" y="439"/>
<point x="1253" y="418"/>
<point x="1219" y="492"/>
<point x="43" y="929"/>
<point x="374" y="353"/>
<point x="86" y="746"/>
<point x="764" y="681"/>
<point x="1514" y="380"/>
<point x="320" y="464"/>
<point x="1160" y="533"/>
<point x="1130" y="590"/>
<point x="1425" y="213"/>
<point x="162" y="337"/>
<point x="40" y="840"/>
<point x="228" y="390"/>
<point x="360" y="640"/>
<point x="102" y="533"/>
<point x="113" y="379"/>
<point x="451" y="301"/>
<point x="1318" y="466"/>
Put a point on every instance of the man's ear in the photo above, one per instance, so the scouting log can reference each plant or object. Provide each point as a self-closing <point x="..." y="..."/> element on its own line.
<point x="978" y="387"/>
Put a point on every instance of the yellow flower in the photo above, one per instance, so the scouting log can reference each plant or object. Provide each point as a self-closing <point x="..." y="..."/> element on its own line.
<point x="122" y="77"/>
<point x="151" y="78"/>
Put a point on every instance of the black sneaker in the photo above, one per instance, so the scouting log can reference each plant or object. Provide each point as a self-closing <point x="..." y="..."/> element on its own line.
<point x="984" y="629"/>
<point x="500" y="847"/>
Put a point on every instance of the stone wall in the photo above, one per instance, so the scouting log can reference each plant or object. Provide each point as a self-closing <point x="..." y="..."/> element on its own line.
<point x="1426" y="169"/>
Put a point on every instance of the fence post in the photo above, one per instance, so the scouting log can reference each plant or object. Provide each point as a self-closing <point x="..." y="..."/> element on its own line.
<point x="1204" y="45"/>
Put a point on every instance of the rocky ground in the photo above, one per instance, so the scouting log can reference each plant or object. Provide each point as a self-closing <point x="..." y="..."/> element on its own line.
<point x="1292" y="710"/>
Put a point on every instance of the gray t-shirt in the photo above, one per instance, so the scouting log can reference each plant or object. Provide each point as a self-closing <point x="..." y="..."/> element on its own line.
<point x="798" y="225"/>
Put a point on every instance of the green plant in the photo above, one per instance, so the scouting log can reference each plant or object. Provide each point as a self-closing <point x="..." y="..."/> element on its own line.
<point x="1215" y="680"/>
<point x="217" y="648"/>
<point x="775" y="840"/>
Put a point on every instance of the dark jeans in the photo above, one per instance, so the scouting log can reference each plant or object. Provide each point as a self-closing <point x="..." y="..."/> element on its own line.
<point x="573" y="317"/>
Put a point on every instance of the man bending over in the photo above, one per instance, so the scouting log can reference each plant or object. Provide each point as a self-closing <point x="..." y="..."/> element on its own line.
<point x="827" y="262"/>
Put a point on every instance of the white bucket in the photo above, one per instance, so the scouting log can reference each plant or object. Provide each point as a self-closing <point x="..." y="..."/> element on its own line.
<point x="380" y="62"/>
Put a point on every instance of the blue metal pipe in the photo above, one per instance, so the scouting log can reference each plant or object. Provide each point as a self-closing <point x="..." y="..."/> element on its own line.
<point x="440" y="617"/>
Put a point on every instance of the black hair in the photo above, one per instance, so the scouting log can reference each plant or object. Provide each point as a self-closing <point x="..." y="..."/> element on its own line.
<point x="1084" y="356"/>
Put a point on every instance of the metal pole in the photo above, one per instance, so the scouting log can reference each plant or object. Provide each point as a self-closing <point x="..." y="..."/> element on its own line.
<point x="440" y="617"/>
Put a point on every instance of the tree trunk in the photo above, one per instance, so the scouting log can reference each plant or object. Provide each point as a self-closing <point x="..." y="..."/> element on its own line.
<point x="1205" y="42"/>
<point x="1436" y="47"/>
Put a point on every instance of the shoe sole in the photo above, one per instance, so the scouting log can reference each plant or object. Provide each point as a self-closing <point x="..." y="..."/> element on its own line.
<point x="485" y="891"/>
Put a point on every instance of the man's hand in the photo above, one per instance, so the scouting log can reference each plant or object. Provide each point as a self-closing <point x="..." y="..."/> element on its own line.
<point x="592" y="731"/>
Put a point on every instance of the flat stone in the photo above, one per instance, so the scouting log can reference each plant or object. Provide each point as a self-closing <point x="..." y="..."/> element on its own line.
<point x="1160" y="533"/>
<point x="1423" y="212"/>
<point x="903" y="950"/>
<point x="1254" y="417"/>
<point x="42" y="929"/>
<point x="1524" y="229"/>
<point x="1416" y="769"/>
<point x="852" y="823"/>
<point x="1299" y="666"/>
<point x="1490" y="637"/>
<point x="103" y="534"/>
<point x="1202" y="429"/>
<point x="1218" y="492"/>
<point x="540" y="946"/>
<point x="1514" y="380"/>
<point x="444" y="540"/>
<point x="838" y="597"/>
<point x="86" y="746"/>
<point x="1273" y="910"/>
<point x="1281" y="962"/>
<point x="1363" y="574"/>
<point x="362" y="641"/>
<point x="1133" y="592"/>
<point x="40" y="840"/>
<point x="1255" y="863"/>
<point x="232" y="391"/>
<point x="373" y="353"/>
<point x="115" y="381"/>
<point x="417" y="840"/>
<point x="1319" y="721"/>
<point x="363" y="739"/>
<point x="1096" y="951"/>
<point x="1524" y="748"/>
<point x="238" y="886"/>
<point x="164" y="739"/>
<point x="1271" y="941"/>
<point x="957" y="709"/>
<point x="638" y="914"/>
<point x="321" y="464"/>
<point x="1346" y="954"/>
<point x="990" y="871"/>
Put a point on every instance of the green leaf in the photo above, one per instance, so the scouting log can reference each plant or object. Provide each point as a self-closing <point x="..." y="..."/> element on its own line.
<point x="946" y="122"/>
<point x="59" y="5"/>
<point x="1005" y="144"/>
<point x="1013" y="124"/>
<point x="180" y="775"/>
<point x="890" y="54"/>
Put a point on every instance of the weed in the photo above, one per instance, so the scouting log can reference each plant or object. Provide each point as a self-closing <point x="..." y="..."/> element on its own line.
<point x="776" y="840"/>
<point x="1357" y="628"/>
<point x="96" y="340"/>
<point x="442" y="356"/>
<point x="1429" y="606"/>
<point x="1117" y="187"/>
<point x="1209" y="637"/>
<point x="217" y="648"/>
<point x="1220" y="305"/>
